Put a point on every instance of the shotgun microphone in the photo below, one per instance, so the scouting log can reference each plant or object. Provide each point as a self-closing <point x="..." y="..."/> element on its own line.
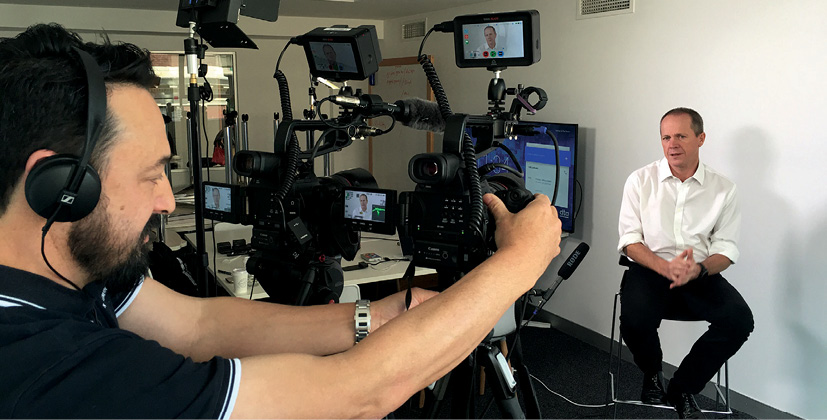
<point x="564" y="273"/>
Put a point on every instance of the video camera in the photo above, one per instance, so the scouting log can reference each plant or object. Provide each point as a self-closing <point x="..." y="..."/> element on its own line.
<point x="304" y="224"/>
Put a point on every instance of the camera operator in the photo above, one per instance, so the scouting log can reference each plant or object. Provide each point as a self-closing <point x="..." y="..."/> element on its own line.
<point x="84" y="334"/>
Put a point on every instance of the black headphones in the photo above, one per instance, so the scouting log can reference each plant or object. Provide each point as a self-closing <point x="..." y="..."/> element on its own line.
<point x="63" y="188"/>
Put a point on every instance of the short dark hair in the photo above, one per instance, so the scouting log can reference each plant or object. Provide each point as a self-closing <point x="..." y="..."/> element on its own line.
<point x="492" y="28"/>
<point x="697" y="121"/>
<point x="44" y="106"/>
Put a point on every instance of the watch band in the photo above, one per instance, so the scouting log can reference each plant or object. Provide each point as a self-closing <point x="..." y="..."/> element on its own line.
<point x="361" y="319"/>
<point x="704" y="272"/>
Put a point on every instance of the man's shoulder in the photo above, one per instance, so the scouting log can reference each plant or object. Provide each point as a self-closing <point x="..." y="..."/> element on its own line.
<point x="713" y="176"/>
<point x="648" y="171"/>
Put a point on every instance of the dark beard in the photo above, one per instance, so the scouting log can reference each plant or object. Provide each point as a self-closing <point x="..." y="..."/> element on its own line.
<point x="93" y="244"/>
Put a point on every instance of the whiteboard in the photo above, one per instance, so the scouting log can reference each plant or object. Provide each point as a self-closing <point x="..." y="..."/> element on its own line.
<point x="389" y="154"/>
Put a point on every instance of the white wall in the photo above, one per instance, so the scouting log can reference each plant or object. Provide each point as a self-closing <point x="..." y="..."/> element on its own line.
<point x="257" y="90"/>
<point x="755" y="70"/>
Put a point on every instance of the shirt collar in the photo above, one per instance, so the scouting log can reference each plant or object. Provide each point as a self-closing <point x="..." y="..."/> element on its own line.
<point x="664" y="172"/>
<point x="36" y="291"/>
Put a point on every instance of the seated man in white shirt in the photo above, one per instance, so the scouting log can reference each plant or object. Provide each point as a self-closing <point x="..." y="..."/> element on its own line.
<point x="679" y="222"/>
<point x="362" y="212"/>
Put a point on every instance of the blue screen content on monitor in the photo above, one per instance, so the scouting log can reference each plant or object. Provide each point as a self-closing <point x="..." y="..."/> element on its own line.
<point x="537" y="158"/>
<point x="333" y="56"/>
<point x="485" y="41"/>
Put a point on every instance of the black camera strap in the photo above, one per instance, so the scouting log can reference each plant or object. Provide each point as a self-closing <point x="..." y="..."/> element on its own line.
<point x="409" y="273"/>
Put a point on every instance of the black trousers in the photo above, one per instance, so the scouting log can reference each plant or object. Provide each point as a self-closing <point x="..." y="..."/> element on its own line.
<point x="646" y="300"/>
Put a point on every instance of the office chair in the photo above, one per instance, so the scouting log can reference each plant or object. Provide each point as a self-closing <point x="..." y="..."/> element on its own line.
<point x="615" y="356"/>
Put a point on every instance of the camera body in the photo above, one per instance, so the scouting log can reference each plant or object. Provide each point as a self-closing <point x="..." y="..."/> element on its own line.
<point x="448" y="229"/>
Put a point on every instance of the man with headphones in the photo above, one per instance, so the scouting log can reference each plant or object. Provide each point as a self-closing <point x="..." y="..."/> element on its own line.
<point x="83" y="333"/>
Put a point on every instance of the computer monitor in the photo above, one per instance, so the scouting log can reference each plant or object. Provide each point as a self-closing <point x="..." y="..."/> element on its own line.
<point x="537" y="158"/>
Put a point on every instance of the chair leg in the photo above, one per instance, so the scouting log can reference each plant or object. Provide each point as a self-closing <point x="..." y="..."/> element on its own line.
<point x="612" y="382"/>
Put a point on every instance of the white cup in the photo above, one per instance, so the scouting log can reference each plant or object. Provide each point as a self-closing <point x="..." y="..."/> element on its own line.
<point x="240" y="280"/>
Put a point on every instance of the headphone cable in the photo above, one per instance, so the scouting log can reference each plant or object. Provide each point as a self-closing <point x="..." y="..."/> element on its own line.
<point x="43" y="249"/>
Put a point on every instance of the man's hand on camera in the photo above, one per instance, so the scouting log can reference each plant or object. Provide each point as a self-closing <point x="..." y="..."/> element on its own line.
<point x="392" y="306"/>
<point x="534" y="231"/>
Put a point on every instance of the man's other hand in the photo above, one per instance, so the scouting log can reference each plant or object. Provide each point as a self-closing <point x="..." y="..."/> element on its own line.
<point x="682" y="269"/>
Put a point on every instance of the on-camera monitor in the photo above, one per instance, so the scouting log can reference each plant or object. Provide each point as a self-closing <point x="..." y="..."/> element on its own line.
<point x="483" y="41"/>
<point x="333" y="57"/>
<point x="497" y="40"/>
<point x="536" y="156"/>
<point x="218" y="198"/>
<point x="365" y="205"/>
<point x="370" y="209"/>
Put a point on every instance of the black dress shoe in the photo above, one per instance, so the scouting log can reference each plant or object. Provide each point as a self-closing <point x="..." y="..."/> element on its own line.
<point x="685" y="405"/>
<point x="652" y="390"/>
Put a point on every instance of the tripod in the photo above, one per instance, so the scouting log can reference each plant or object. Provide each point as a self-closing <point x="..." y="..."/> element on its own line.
<point x="459" y="384"/>
<point x="322" y="279"/>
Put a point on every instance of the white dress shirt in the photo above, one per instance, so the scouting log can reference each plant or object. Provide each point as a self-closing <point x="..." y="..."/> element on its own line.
<point x="669" y="216"/>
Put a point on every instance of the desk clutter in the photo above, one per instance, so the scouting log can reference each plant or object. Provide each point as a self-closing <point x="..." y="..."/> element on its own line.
<point x="237" y="247"/>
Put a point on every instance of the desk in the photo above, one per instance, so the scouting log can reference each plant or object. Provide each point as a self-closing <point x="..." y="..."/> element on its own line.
<point x="384" y="245"/>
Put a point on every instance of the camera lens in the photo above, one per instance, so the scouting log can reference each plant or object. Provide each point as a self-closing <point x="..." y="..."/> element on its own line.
<point x="429" y="168"/>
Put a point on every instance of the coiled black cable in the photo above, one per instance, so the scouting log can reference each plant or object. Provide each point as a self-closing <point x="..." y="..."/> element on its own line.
<point x="293" y="146"/>
<point x="477" y="207"/>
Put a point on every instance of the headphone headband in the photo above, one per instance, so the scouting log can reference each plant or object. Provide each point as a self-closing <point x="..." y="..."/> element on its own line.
<point x="96" y="112"/>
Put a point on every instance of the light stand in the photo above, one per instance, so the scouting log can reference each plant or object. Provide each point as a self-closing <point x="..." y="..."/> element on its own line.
<point x="193" y="51"/>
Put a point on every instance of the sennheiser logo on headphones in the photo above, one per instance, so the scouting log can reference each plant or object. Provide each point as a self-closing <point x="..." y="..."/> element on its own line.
<point x="68" y="199"/>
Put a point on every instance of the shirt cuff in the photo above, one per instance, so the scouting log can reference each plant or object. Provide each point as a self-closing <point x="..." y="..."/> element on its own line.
<point x="628" y="239"/>
<point x="726" y="249"/>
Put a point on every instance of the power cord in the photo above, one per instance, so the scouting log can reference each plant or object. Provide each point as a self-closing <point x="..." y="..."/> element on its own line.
<point x="566" y="399"/>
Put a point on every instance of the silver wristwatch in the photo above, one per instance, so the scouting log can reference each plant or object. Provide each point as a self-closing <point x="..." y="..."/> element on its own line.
<point x="361" y="319"/>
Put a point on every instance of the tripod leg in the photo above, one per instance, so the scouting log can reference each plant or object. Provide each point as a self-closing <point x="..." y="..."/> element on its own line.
<point x="532" y="406"/>
<point x="462" y="389"/>
<point x="440" y="387"/>
<point x="502" y="383"/>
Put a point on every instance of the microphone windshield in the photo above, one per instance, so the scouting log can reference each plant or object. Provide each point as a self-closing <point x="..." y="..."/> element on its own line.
<point x="420" y="114"/>
<point x="573" y="261"/>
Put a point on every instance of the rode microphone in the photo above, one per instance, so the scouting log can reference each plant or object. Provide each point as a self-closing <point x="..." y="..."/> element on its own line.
<point x="564" y="273"/>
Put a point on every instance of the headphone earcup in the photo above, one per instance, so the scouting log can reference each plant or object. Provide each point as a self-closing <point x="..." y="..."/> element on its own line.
<point x="46" y="182"/>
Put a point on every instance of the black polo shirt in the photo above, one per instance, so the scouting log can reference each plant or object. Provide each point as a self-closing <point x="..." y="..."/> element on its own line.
<point x="63" y="355"/>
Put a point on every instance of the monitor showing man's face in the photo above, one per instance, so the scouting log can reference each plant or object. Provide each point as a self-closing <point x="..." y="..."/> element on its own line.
<point x="490" y="36"/>
<point x="329" y="53"/>
<point x="216" y="196"/>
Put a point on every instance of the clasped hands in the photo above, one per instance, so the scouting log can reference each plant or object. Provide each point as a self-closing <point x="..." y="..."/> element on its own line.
<point x="682" y="269"/>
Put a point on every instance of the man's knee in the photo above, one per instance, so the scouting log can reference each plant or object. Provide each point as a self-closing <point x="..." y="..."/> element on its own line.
<point x="740" y="323"/>
<point x="635" y="323"/>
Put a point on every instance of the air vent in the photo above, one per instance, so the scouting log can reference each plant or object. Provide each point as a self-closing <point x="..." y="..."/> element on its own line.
<point x="413" y="30"/>
<point x="599" y="8"/>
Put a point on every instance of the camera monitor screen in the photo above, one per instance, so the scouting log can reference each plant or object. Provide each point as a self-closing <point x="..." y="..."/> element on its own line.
<point x="333" y="57"/>
<point x="219" y="200"/>
<point x="370" y="209"/>
<point x="341" y="53"/>
<point x="493" y="40"/>
<point x="497" y="40"/>
<point x="536" y="156"/>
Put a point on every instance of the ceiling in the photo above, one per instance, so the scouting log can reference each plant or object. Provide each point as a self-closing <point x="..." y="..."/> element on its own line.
<point x="355" y="9"/>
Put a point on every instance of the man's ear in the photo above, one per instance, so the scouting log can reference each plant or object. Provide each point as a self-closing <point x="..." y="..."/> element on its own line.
<point x="702" y="137"/>
<point x="35" y="157"/>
